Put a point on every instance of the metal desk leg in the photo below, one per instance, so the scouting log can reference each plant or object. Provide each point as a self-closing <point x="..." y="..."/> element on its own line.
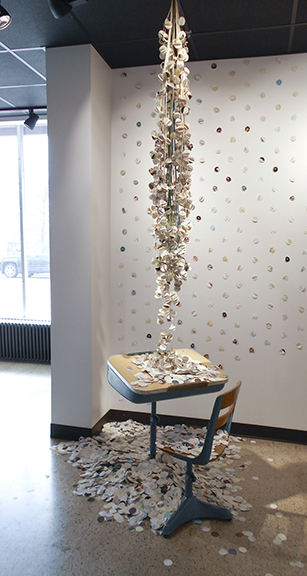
<point x="154" y="419"/>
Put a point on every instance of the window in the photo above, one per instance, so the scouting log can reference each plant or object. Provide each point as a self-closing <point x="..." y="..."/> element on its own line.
<point x="24" y="222"/>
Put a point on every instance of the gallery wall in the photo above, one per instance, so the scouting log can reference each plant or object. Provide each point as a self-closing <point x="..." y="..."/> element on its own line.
<point x="244" y="303"/>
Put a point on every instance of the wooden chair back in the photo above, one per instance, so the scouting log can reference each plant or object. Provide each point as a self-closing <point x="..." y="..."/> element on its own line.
<point x="228" y="405"/>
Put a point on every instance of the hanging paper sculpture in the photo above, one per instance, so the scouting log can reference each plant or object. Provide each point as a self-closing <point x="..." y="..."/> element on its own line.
<point x="172" y="166"/>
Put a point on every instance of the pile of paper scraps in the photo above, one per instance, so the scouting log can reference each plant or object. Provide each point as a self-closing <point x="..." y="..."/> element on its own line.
<point x="171" y="368"/>
<point x="115" y="469"/>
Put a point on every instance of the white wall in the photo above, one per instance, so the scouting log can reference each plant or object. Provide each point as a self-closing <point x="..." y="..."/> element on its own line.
<point x="260" y="104"/>
<point x="79" y="104"/>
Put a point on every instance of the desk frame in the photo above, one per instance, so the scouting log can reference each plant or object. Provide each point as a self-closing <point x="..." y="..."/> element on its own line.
<point x="120" y="379"/>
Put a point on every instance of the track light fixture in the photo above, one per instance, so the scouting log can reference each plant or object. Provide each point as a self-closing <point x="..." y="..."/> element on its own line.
<point x="60" y="8"/>
<point x="31" y="121"/>
<point x="5" y="18"/>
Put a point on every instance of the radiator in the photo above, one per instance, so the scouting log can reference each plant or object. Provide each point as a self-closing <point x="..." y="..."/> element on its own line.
<point x="25" y="341"/>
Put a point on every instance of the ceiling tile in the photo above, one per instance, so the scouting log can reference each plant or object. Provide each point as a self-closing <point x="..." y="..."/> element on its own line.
<point x="127" y="54"/>
<point x="14" y="72"/>
<point x="28" y="97"/>
<point x="116" y="20"/>
<point x="219" y="15"/>
<point x="36" y="58"/>
<point x="301" y="15"/>
<point x="299" y="43"/>
<point x="241" y="44"/>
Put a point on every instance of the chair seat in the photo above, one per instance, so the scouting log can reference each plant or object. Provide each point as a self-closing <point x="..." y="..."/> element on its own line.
<point x="187" y="450"/>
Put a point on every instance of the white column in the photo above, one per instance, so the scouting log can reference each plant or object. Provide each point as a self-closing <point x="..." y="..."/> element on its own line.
<point x="79" y="125"/>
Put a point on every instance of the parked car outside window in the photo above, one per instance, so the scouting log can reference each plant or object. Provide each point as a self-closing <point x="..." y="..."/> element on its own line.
<point x="38" y="263"/>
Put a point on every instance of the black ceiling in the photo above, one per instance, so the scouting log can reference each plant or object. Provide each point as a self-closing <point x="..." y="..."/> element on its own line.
<point x="125" y="34"/>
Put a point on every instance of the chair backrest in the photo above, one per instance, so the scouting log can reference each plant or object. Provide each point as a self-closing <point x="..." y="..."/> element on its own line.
<point x="228" y="404"/>
<point x="225" y="403"/>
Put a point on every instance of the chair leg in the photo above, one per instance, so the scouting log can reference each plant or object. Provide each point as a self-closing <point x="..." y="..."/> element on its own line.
<point x="189" y="479"/>
<point x="191" y="508"/>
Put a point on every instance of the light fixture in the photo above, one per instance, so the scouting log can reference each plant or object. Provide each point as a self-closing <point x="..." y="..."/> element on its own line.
<point x="60" y="8"/>
<point x="31" y="121"/>
<point x="5" y="18"/>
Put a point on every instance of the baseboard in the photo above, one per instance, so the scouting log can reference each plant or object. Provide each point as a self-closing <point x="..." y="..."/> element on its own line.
<point x="269" y="433"/>
<point x="62" y="432"/>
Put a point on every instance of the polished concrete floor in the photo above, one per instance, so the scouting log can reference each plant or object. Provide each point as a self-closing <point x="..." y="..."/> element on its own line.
<point x="45" y="530"/>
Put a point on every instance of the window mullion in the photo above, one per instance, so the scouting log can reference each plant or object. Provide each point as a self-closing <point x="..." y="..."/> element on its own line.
<point x="21" y="180"/>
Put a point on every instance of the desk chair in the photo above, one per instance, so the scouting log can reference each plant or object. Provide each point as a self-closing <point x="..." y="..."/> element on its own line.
<point x="190" y="507"/>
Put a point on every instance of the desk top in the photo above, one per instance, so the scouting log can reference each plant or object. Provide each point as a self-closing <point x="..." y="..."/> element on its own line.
<point x="122" y="373"/>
